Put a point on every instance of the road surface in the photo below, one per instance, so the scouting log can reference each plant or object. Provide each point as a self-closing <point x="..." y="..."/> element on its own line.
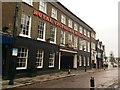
<point x="102" y="78"/>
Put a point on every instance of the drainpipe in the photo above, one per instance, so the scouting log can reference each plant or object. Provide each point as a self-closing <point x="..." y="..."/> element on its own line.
<point x="90" y="52"/>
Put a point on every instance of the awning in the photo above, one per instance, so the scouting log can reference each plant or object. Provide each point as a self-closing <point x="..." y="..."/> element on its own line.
<point x="4" y="39"/>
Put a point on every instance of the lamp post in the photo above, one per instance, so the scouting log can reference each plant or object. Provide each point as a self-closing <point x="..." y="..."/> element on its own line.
<point x="14" y="50"/>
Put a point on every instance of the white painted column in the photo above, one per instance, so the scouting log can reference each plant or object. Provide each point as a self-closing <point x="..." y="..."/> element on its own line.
<point x="75" y="62"/>
<point x="59" y="60"/>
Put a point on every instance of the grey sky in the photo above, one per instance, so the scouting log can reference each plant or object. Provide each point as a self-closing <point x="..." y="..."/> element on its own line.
<point x="102" y="16"/>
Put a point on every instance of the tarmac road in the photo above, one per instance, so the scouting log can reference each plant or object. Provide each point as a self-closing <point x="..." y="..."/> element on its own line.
<point x="103" y="79"/>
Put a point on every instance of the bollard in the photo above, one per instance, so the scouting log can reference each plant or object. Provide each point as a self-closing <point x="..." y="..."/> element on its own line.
<point x="92" y="83"/>
<point x="11" y="82"/>
<point x="85" y="69"/>
<point x="104" y="68"/>
<point x="69" y="70"/>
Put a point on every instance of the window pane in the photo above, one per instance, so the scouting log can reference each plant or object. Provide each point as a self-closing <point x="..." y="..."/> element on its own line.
<point x="25" y="25"/>
<point x="42" y="6"/>
<point x="62" y="37"/>
<point x="54" y="13"/>
<point x="51" y="59"/>
<point x="53" y="34"/>
<point x="39" y="58"/>
<point x="22" y="58"/>
<point x="41" y="30"/>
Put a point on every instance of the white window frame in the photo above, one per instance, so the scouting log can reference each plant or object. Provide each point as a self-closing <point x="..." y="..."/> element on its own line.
<point x="21" y="57"/>
<point x="84" y="43"/>
<point x="81" y="29"/>
<point x="70" y="23"/>
<point x="99" y="55"/>
<point x="24" y="18"/>
<point x="30" y="2"/>
<point x="88" y="46"/>
<point x="43" y="4"/>
<point x="88" y="61"/>
<point x="75" y="27"/>
<point x="98" y="45"/>
<point x="93" y="35"/>
<point x="39" y="58"/>
<point x="43" y="31"/>
<point x="84" y="31"/>
<point x="84" y="60"/>
<point x="70" y="38"/>
<point x="81" y="43"/>
<point x="75" y="41"/>
<point x="63" y="19"/>
<point x="88" y="34"/>
<point x="54" y="13"/>
<point x="93" y="45"/>
<point x="80" y="60"/>
<point x="54" y="42"/>
<point x="53" y="58"/>
<point x="62" y="38"/>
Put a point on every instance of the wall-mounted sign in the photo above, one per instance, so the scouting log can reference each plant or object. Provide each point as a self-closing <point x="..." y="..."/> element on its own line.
<point x="14" y="52"/>
<point x="49" y="19"/>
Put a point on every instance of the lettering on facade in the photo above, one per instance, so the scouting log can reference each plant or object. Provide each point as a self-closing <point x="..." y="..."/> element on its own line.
<point x="47" y="18"/>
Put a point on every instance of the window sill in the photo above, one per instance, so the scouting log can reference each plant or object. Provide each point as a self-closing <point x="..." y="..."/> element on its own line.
<point x="41" y="39"/>
<point x="39" y="66"/>
<point x="21" y="68"/>
<point x="52" y="42"/>
<point x="24" y="36"/>
<point x="51" y="66"/>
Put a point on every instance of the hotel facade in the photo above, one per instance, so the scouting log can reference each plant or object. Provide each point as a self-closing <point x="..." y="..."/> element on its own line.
<point x="44" y="37"/>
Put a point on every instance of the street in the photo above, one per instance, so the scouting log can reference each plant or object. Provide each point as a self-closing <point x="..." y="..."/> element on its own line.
<point x="102" y="79"/>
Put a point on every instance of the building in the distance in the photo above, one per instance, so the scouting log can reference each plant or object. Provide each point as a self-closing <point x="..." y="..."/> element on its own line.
<point x="100" y="57"/>
<point x="43" y="37"/>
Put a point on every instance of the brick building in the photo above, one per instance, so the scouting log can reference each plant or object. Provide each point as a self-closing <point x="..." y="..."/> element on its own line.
<point x="45" y="37"/>
<point x="100" y="51"/>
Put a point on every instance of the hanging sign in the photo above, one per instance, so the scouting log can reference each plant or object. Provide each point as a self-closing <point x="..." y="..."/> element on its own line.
<point x="14" y="52"/>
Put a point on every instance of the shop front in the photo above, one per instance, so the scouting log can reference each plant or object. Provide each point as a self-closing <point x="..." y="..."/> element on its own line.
<point x="6" y="54"/>
<point x="68" y="59"/>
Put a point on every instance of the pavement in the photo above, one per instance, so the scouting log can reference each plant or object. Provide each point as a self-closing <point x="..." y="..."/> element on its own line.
<point x="47" y="77"/>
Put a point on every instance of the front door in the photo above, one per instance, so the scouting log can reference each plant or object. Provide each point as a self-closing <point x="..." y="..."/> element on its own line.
<point x="5" y="60"/>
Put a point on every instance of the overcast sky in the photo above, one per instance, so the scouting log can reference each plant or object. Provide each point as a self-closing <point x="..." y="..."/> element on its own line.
<point x="102" y="16"/>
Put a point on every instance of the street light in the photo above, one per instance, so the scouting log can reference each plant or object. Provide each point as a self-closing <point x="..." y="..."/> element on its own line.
<point x="14" y="58"/>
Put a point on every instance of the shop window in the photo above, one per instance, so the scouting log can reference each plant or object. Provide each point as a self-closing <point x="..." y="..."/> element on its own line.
<point x="51" y="59"/>
<point x="25" y="25"/>
<point x="42" y="6"/>
<point x="22" y="58"/>
<point x="41" y="30"/>
<point x="39" y="58"/>
<point x="54" y="13"/>
<point x="53" y="34"/>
